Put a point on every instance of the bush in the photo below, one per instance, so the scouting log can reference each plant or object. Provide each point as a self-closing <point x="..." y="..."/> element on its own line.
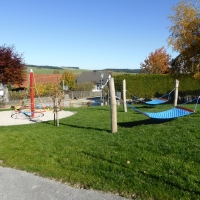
<point x="153" y="85"/>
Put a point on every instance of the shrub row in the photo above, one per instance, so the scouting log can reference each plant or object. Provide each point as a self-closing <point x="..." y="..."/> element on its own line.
<point x="154" y="85"/>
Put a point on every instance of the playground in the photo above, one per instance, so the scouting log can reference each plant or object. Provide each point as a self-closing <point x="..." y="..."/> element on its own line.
<point x="144" y="158"/>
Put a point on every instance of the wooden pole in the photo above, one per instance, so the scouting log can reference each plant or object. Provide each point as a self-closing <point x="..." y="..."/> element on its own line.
<point x="124" y="95"/>
<point x="54" y="111"/>
<point x="32" y="93"/>
<point x="57" y="119"/>
<point x="176" y="93"/>
<point x="108" y="96"/>
<point x="113" y="106"/>
<point x="63" y="87"/>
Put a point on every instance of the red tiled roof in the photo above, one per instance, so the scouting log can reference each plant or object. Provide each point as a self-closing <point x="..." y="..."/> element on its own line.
<point x="43" y="78"/>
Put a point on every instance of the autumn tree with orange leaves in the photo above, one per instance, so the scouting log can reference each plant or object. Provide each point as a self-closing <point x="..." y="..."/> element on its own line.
<point x="185" y="38"/>
<point x="12" y="67"/>
<point x="157" y="62"/>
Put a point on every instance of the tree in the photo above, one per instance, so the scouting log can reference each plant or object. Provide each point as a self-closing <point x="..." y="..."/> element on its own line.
<point x="69" y="80"/>
<point x="157" y="62"/>
<point x="12" y="67"/>
<point x="56" y="72"/>
<point x="86" y="86"/>
<point x="185" y="37"/>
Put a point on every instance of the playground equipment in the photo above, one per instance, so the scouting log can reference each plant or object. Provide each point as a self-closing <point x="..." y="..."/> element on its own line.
<point x="156" y="101"/>
<point x="22" y="114"/>
<point x="176" y="112"/>
<point x="30" y="108"/>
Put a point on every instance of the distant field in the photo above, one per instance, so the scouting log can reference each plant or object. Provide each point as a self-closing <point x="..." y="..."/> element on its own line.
<point x="39" y="69"/>
<point x="50" y="71"/>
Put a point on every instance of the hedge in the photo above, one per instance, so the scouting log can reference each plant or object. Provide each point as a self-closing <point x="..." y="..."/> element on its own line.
<point x="154" y="85"/>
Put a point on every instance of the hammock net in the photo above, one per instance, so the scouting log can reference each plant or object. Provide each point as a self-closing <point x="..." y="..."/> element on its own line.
<point x="156" y="101"/>
<point x="173" y="113"/>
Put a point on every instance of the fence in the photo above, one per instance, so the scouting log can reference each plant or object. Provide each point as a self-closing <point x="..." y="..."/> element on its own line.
<point x="82" y="94"/>
<point x="67" y="102"/>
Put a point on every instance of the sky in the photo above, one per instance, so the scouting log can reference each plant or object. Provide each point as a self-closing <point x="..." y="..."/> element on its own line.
<point x="89" y="34"/>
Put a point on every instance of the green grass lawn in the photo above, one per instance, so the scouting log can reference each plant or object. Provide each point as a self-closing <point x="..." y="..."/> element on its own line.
<point x="143" y="160"/>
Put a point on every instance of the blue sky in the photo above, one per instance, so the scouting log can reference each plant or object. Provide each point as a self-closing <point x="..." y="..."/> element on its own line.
<point x="89" y="34"/>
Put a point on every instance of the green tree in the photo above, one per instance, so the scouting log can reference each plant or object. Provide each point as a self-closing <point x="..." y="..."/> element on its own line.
<point x="56" y="72"/>
<point x="69" y="80"/>
<point x="12" y="67"/>
<point x="157" y="62"/>
<point x="86" y="86"/>
<point x="185" y="37"/>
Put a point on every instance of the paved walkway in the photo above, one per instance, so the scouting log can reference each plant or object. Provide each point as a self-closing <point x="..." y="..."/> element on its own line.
<point x="20" y="185"/>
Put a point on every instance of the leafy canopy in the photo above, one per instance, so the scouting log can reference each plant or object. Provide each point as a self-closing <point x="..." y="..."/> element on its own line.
<point x="12" y="67"/>
<point x="157" y="62"/>
<point x="86" y="86"/>
<point x="69" y="80"/>
<point x="185" y="37"/>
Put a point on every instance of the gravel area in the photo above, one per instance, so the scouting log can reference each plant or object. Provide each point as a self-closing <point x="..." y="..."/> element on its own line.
<point x="9" y="118"/>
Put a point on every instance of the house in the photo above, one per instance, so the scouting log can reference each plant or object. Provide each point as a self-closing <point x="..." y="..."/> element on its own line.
<point x="184" y="65"/>
<point x="99" y="78"/>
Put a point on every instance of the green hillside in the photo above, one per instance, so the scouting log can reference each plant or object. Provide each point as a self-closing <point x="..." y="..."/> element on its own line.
<point x="37" y="69"/>
<point x="50" y="69"/>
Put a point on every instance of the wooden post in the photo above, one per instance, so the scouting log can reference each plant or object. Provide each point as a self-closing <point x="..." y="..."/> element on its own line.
<point x="176" y="93"/>
<point x="63" y="87"/>
<point x="54" y="117"/>
<point x="113" y="106"/>
<point x="108" y="96"/>
<point x="57" y="118"/>
<point x="54" y="111"/>
<point x="56" y="105"/>
<point x="32" y="93"/>
<point x="124" y="95"/>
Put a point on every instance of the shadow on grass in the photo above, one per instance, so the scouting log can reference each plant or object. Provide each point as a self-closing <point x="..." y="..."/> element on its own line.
<point x="105" y="160"/>
<point x="158" y="179"/>
<point x="83" y="127"/>
<point x="144" y="106"/>
<point x="141" y="122"/>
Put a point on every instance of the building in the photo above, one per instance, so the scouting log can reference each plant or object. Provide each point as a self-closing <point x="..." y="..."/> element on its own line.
<point x="99" y="78"/>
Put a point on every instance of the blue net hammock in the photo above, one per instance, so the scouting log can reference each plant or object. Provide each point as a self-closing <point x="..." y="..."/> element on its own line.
<point x="156" y="101"/>
<point x="173" y="113"/>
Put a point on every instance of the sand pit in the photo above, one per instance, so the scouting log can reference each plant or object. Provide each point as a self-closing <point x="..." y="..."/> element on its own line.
<point x="7" y="120"/>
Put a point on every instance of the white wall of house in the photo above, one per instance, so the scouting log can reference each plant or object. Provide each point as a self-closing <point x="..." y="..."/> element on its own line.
<point x="95" y="89"/>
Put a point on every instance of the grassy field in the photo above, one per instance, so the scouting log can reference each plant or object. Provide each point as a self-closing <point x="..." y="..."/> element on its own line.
<point x="50" y="71"/>
<point x="143" y="160"/>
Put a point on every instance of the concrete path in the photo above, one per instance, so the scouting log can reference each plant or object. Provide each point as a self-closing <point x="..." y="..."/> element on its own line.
<point x="20" y="185"/>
